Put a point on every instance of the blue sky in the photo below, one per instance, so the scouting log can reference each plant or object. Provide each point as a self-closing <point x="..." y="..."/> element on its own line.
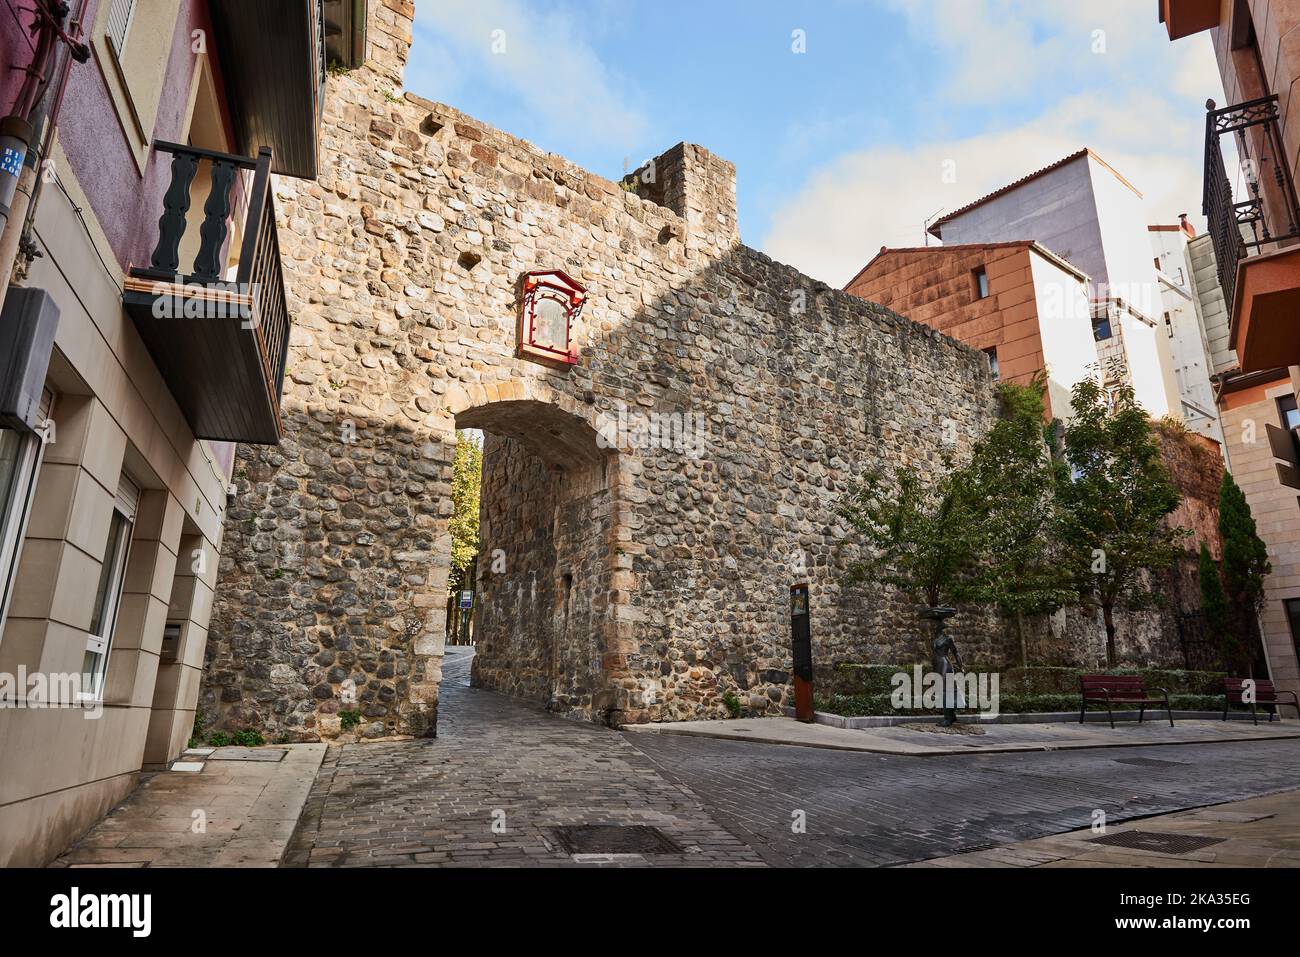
<point x="840" y="149"/>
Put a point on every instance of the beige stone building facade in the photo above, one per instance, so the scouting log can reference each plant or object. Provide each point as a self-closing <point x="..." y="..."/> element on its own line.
<point x="114" y="491"/>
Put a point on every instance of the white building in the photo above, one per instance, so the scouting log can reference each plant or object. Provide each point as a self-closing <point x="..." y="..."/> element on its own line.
<point x="1091" y="216"/>
<point x="1184" y="326"/>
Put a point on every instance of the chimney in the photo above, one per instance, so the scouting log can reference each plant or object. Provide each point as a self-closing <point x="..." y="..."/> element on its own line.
<point x="1188" y="229"/>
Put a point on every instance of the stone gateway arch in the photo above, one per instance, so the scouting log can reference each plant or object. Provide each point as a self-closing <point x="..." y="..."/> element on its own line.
<point x="651" y="502"/>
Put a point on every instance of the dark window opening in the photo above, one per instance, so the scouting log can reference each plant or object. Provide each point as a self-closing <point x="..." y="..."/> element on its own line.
<point x="1290" y="417"/>
<point x="1293" y="619"/>
<point x="1101" y="330"/>
<point x="981" y="280"/>
<point x="992" y="353"/>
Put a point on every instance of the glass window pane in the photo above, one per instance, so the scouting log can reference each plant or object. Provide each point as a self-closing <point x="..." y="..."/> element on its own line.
<point x="11" y="447"/>
<point x="109" y="577"/>
<point x="551" y="324"/>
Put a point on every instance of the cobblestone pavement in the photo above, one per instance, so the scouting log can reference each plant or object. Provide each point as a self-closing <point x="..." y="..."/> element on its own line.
<point x="729" y="802"/>
<point x="434" y="802"/>
<point x="870" y="809"/>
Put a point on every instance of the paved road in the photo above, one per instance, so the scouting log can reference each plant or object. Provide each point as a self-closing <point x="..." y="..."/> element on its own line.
<point x="866" y="809"/>
<point x="724" y="802"/>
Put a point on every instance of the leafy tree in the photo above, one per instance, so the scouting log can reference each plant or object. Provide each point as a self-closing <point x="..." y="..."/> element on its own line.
<point x="1012" y="482"/>
<point x="1117" y="503"/>
<point x="1214" y="604"/>
<point x="466" y="475"/>
<point x="918" y="534"/>
<point x="1245" y="565"/>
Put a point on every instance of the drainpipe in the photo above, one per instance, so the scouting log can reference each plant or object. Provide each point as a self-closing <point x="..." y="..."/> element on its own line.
<point x="19" y="179"/>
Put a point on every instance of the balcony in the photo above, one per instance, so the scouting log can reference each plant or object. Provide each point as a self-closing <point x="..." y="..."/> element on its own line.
<point x="1254" y="231"/>
<point x="219" y="333"/>
<point x="1182" y="18"/>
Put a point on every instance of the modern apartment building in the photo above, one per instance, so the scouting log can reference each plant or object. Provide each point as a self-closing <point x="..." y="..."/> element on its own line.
<point x="1183" y="326"/>
<point x="1252" y="159"/>
<point x="1089" y="215"/>
<point x="144" y="331"/>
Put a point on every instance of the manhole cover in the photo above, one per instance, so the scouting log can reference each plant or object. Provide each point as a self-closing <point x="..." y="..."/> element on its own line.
<point x="614" y="839"/>
<point x="1160" y="843"/>
<point x="247" y="754"/>
<point x="1151" y="762"/>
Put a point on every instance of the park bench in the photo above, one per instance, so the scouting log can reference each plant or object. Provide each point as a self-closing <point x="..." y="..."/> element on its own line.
<point x="1234" y="690"/>
<point x="1121" y="689"/>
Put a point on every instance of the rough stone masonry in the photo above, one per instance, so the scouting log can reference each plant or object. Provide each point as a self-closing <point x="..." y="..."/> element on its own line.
<point x="623" y="584"/>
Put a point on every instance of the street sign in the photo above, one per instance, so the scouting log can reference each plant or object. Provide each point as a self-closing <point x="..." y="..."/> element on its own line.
<point x="467" y="599"/>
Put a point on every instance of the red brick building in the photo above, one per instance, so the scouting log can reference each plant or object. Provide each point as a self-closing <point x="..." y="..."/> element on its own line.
<point x="1025" y="307"/>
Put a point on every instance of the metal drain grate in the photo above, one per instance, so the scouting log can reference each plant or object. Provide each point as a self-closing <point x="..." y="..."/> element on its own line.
<point x="247" y="754"/>
<point x="614" y="839"/>
<point x="1160" y="843"/>
<point x="1151" y="762"/>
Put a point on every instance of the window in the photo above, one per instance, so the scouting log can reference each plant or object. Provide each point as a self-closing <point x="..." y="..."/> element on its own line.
<point x="992" y="353"/>
<point x="119" y="24"/>
<point x="1293" y="619"/>
<point x="981" y="280"/>
<point x="1288" y="413"/>
<point x="1101" y="330"/>
<point x="132" y="42"/>
<point x="20" y="460"/>
<point x="108" y="593"/>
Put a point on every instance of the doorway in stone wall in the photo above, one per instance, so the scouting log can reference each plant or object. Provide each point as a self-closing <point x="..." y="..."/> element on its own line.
<point x="539" y="589"/>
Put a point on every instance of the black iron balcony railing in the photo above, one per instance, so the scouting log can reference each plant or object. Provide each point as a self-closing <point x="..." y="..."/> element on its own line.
<point x="220" y="341"/>
<point x="1269" y="214"/>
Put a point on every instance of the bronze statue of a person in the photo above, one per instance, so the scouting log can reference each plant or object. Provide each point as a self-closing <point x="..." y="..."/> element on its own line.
<point x="947" y="661"/>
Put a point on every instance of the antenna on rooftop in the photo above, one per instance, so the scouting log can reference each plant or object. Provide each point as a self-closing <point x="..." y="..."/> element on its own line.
<point x="925" y="229"/>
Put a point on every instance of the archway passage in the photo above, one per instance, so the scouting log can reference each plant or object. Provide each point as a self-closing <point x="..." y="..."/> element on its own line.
<point x="545" y="569"/>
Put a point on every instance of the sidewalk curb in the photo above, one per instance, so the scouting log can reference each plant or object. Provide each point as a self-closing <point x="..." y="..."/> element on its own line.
<point x="667" y="728"/>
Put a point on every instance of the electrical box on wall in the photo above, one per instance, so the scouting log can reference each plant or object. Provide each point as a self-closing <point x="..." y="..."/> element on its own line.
<point x="26" y="344"/>
<point x="171" y="642"/>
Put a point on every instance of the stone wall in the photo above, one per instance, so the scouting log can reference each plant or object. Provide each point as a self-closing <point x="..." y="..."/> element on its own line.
<point x="636" y="583"/>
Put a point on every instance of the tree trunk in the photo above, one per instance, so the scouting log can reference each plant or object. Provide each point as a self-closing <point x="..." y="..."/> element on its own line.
<point x="1108" y="615"/>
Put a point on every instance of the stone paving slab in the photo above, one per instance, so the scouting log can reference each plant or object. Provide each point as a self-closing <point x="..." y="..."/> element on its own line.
<point x="249" y="809"/>
<point x="1257" y="832"/>
<point x="997" y="738"/>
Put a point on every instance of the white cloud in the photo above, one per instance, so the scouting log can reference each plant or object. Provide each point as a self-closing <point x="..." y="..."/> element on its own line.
<point x="540" y="58"/>
<point x="880" y="196"/>
<point x="1133" y="110"/>
<point x="1007" y="50"/>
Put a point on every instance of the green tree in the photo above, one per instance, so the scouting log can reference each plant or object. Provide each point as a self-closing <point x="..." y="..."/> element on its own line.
<point x="917" y="533"/>
<point x="1012" y="486"/>
<point x="1214" y="604"/>
<point x="1245" y="565"/>
<point x="1117" y="505"/>
<point x="466" y="476"/>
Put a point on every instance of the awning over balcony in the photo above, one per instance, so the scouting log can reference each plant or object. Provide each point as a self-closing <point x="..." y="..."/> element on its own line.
<point x="274" y="61"/>
<point x="1182" y="18"/>
<point x="1266" y="310"/>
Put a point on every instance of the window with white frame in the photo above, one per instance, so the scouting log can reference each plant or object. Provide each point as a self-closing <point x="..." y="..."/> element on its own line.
<point x="20" y="460"/>
<point x="108" y="593"/>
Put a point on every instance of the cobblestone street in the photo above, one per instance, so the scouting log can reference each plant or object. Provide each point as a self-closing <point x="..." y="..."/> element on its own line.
<point x="434" y="802"/>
